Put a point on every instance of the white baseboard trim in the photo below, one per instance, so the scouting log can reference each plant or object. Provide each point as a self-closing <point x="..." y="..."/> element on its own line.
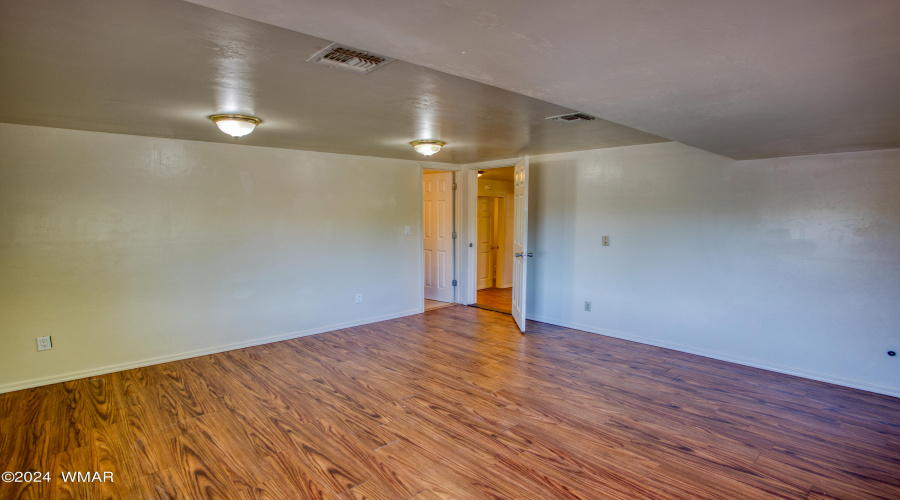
<point x="855" y="384"/>
<point x="65" y="377"/>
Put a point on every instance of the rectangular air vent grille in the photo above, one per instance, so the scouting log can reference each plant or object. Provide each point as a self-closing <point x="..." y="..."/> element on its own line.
<point x="348" y="58"/>
<point x="572" y="118"/>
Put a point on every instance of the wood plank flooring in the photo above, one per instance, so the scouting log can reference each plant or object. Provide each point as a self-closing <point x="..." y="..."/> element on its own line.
<point x="495" y="299"/>
<point x="453" y="403"/>
<point x="436" y="304"/>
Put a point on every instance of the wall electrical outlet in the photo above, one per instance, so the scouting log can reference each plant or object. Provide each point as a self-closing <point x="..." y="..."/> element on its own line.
<point x="359" y="298"/>
<point x="605" y="240"/>
<point x="44" y="343"/>
<point x="587" y="306"/>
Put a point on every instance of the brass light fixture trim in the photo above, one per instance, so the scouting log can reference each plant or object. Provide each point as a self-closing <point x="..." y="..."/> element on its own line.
<point x="235" y="125"/>
<point x="427" y="147"/>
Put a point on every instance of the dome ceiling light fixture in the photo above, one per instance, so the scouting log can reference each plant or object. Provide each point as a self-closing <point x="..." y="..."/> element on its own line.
<point x="235" y="125"/>
<point x="427" y="147"/>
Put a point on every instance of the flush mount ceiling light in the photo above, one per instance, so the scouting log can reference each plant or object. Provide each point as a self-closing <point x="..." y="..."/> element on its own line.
<point x="427" y="147"/>
<point x="235" y="125"/>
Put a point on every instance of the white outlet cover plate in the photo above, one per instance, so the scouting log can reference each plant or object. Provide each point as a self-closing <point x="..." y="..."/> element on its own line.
<point x="43" y="343"/>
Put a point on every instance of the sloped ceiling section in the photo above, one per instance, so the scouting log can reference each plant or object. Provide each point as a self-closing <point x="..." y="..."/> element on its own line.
<point x="160" y="67"/>
<point x="745" y="79"/>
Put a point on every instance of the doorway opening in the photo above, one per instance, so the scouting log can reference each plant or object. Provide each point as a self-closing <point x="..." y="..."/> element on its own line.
<point x="495" y="219"/>
<point x="438" y="234"/>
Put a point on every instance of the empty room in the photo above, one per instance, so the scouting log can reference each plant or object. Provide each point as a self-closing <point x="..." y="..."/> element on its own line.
<point x="467" y="249"/>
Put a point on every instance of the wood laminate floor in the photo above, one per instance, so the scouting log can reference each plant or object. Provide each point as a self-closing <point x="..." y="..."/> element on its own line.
<point x="495" y="299"/>
<point x="453" y="403"/>
<point x="436" y="304"/>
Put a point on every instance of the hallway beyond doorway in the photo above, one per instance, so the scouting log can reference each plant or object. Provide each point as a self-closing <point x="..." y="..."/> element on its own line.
<point x="495" y="299"/>
<point x="436" y="304"/>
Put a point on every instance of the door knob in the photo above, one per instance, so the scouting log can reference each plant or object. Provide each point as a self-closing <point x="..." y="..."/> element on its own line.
<point x="529" y="254"/>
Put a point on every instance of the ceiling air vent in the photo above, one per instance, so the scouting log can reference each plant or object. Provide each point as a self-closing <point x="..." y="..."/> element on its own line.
<point x="348" y="58"/>
<point x="572" y="118"/>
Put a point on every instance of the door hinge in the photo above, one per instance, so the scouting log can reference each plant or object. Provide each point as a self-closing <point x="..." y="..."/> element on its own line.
<point x="454" y="282"/>
<point x="454" y="235"/>
<point x="453" y="186"/>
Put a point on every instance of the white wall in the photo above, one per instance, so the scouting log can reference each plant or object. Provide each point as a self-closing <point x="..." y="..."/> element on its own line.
<point x="134" y="250"/>
<point x="790" y="264"/>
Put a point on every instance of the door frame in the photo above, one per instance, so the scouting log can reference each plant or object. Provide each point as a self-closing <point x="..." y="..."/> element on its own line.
<point x="457" y="221"/>
<point x="469" y="292"/>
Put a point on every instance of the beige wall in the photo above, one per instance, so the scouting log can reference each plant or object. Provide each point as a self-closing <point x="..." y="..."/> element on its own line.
<point x="790" y="264"/>
<point x="133" y="250"/>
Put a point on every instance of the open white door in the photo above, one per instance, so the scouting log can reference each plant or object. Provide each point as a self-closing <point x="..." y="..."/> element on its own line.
<point x="520" y="242"/>
<point x="485" y="243"/>
<point x="437" y="228"/>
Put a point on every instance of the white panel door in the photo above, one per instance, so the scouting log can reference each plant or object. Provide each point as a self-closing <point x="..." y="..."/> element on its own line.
<point x="485" y="250"/>
<point x="520" y="242"/>
<point x="437" y="225"/>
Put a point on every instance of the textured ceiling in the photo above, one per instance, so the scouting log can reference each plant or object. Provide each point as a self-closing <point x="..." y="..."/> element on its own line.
<point x="161" y="67"/>
<point x="745" y="79"/>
